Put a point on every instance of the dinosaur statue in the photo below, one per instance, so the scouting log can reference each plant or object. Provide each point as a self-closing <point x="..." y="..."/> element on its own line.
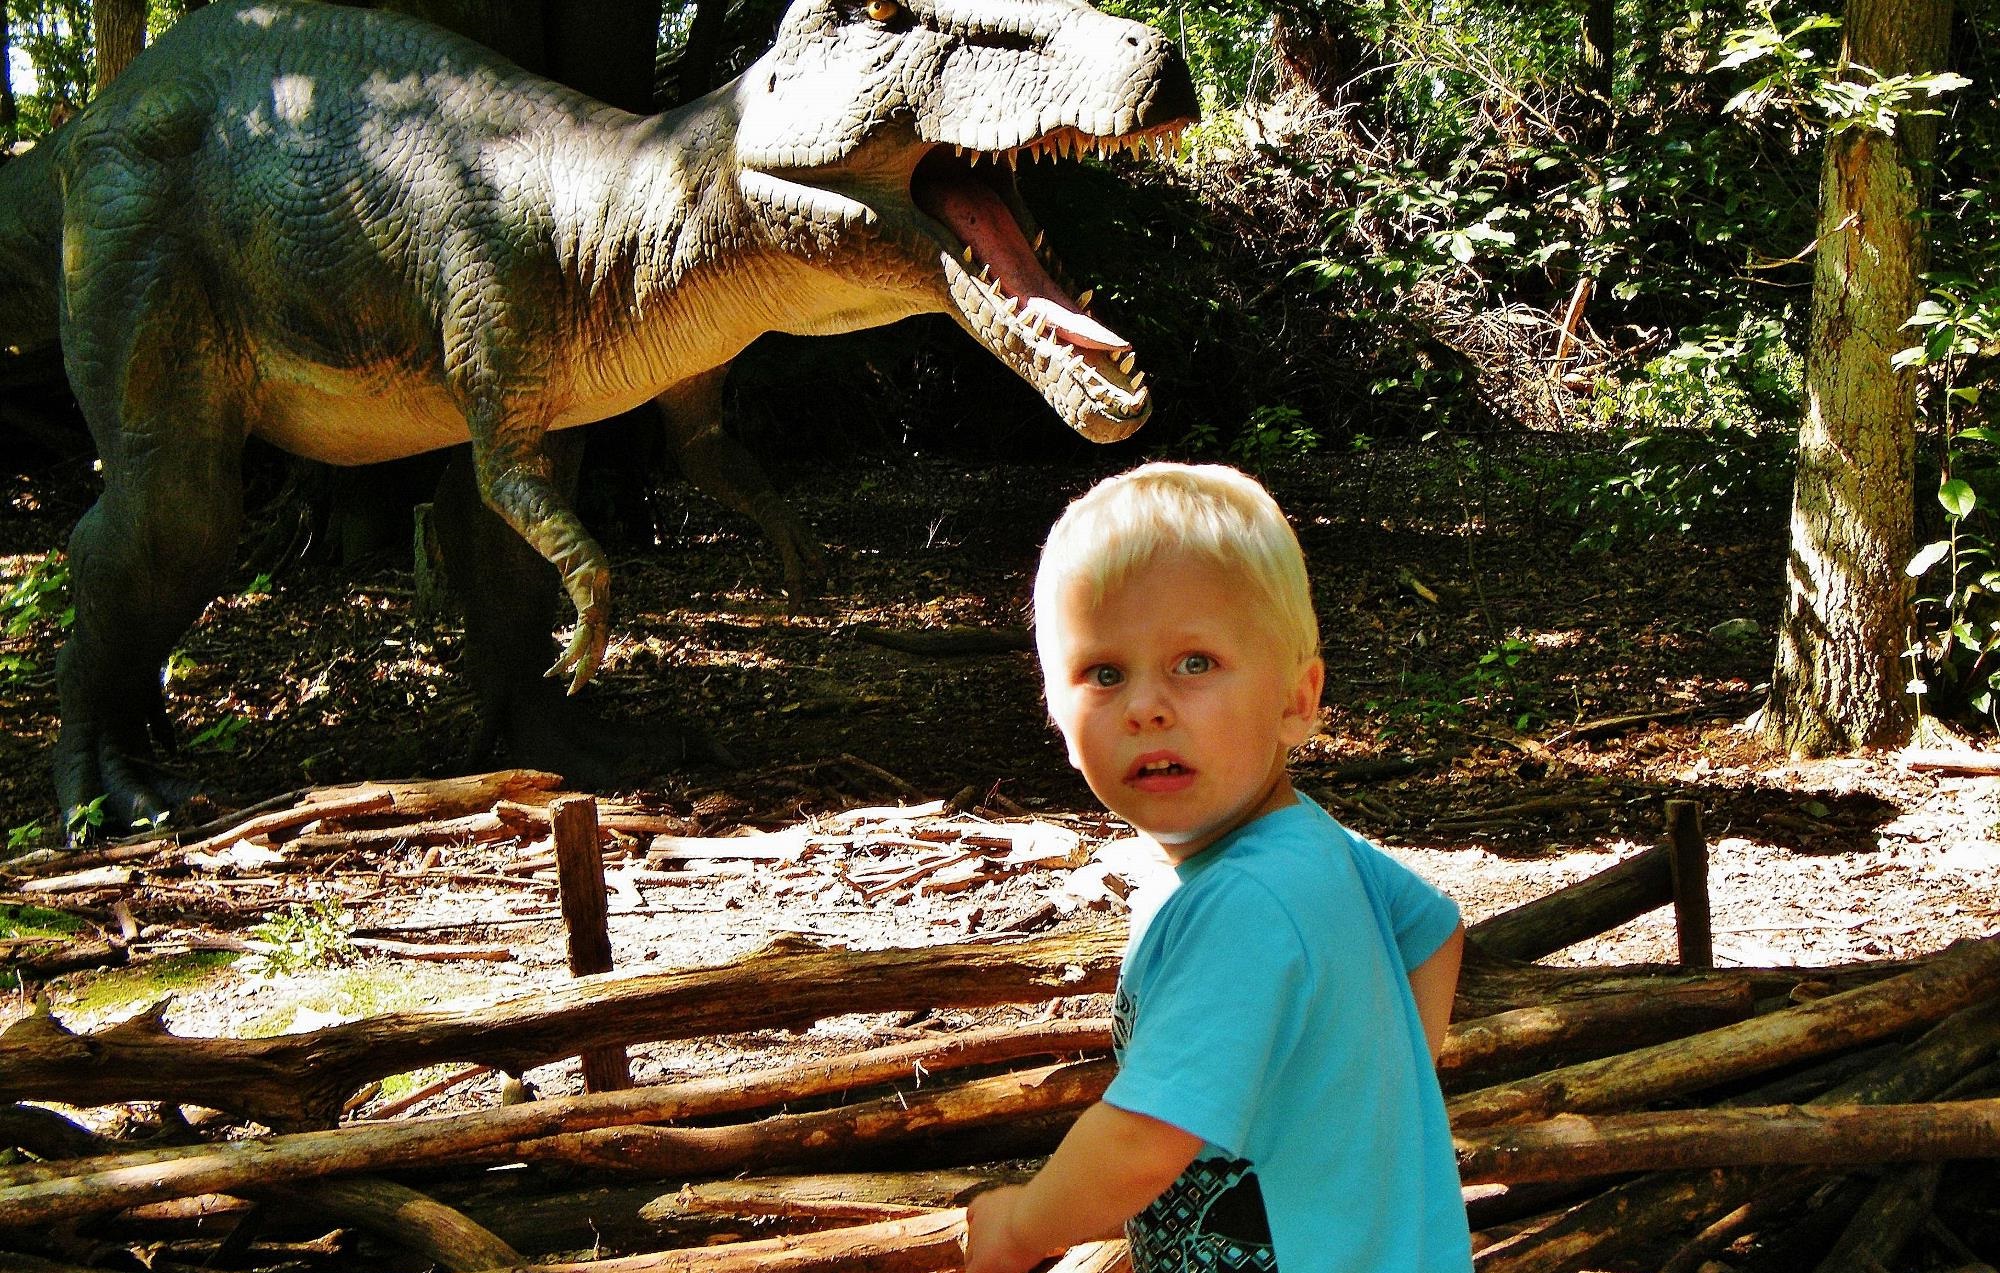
<point x="359" y="237"/>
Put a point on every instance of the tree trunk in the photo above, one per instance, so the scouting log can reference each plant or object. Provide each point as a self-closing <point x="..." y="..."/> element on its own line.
<point x="10" y="114"/>
<point x="1836" y="685"/>
<point x="1594" y="43"/>
<point x="118" y="27"/>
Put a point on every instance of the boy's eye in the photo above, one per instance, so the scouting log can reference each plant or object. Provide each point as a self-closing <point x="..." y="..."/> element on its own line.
<point x="1196" y="664"/>
<point x="1104" y="676"/>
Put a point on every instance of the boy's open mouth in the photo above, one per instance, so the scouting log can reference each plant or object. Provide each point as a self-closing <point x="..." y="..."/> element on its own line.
<point x="1158" y="768"/>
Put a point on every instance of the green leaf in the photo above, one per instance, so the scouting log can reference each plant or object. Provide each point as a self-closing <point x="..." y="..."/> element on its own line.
<point x="1957" y="497"/>
<point x="1927" y="556"/>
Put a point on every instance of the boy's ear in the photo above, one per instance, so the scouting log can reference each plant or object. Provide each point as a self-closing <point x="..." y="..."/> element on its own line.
<point x="1302" y="707"/>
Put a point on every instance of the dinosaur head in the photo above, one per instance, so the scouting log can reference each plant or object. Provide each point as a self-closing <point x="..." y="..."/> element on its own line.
<point x="884" y="134"/>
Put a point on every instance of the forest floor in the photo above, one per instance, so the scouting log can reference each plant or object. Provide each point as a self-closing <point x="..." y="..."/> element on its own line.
<point x="1547" y="702"/>
<point x="1539" y="711"/>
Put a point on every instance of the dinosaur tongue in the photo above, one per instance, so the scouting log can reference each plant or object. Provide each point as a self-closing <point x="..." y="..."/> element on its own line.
<point x="978" y="217"/>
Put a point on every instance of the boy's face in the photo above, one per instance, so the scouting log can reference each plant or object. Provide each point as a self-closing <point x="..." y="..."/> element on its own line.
<point x="1179" y="705"/>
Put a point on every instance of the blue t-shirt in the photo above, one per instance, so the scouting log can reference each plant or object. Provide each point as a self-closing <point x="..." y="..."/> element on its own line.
<point x="1266" y="1008"/>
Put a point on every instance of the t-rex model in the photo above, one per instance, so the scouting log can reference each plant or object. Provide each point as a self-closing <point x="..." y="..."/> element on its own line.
<point x="359" y="237"/>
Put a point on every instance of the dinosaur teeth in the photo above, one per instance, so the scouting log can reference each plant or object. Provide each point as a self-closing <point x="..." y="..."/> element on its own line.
<point x="1083" y="298"/>
<point x="1126" y="360"/>
<point x="967" y="255"/>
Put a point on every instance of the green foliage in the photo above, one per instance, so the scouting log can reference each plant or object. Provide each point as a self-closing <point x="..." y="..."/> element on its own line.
<point x="1956" y="651"/>
<point x="302" y="937"/>
<point x="221" y="736"/>
<point x="1496" y="683"/>
<point x="85" y="821"/>
<point x="38" y="598"/>
<point x="1678" y="481"/>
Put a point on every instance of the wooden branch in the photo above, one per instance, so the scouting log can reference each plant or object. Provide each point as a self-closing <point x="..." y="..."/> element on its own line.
<point x="1965" y="974"/>
<point x="1569" y="1146"/>
<point x="1581" y="910"/>
<point x="1951" y="760"/>
<point x="839" y="1193"/>
<point x="36" y="1194"/>
<point x="788" y="1139"/>
<point x="406" y="1218"/>
<point x="301" y="1080"/>
<point x="1656" y="1206"/>
<point x="921" y="1244"/>
<point x="1885" y="1220"/>
<point x="1527" y="1040"/>
<point x="1489" y="985"/>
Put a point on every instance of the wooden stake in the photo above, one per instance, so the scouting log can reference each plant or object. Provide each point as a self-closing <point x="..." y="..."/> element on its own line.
<point x="586" y="917"/>
<point x="1690" y="875"/>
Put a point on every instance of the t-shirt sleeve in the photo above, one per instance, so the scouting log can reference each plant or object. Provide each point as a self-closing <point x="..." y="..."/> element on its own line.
<point x="1420" y="916"/>
<point x="1216" y="998"/>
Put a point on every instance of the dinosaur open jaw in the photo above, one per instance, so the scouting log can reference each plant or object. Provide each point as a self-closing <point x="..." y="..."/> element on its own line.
<point x="1006" y="289"/>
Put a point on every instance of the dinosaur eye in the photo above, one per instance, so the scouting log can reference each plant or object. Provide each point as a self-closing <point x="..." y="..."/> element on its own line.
<point x="883" y="10"/>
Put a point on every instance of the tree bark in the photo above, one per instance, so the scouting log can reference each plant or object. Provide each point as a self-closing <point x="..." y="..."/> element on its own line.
<point x="1569" y="1146"/>
<point x="830" y="1194"/>
<point x="1837" y="684"/>
<point x="301" y="1080"/>
<point x="118" y="28"/>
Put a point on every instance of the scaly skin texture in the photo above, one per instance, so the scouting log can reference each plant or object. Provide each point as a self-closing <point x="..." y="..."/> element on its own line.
<point x="359" y="238"/>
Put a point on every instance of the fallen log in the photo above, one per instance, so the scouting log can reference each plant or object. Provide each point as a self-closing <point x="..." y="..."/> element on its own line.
<point x="1570" y="1146"/>
<point x="792" y="1139"/>
<point x="301" y="1080"/>
<point x="921" y="1244"/>
<point x="1884" y="1221"/>
<point x="1965" y="974"/>
<point x="406" y="1218"/>
<point x="1527" y="1040"/>
<point x="1579" y="911"/>
<point x="1658" y="1206"/>
<point x="829" y="1194"/>
<point x="1489" y="985"/>
<point x="40" y="1193"/>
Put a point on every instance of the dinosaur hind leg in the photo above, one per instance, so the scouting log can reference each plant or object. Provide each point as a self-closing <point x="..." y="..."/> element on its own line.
<point x="144" y="561"/>
<point x="142" y="352"/>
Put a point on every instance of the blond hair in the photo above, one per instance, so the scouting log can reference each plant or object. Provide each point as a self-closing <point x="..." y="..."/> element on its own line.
<point x="1208" y="512"/>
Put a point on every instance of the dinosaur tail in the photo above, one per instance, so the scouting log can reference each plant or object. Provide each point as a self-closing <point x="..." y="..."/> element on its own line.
<point x="30" y="266"/>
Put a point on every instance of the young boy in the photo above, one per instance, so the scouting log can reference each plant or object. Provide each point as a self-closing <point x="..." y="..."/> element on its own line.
<point x="1278" y="1015"/>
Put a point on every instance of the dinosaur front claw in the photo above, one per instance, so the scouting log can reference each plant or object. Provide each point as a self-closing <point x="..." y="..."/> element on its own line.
<point x="584" y="653"/>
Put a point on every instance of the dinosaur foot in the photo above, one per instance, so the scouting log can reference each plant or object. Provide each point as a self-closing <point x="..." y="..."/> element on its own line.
<point x="543" y="728"/>
<point x="106" y="791"/>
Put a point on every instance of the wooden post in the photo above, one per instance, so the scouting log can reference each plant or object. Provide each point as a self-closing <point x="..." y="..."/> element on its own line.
<point x="1690" y="863"/>
<point x="585" y="912"/>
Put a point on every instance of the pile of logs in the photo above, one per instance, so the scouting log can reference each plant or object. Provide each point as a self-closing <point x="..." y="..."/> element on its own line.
<point x="1673" y="1117"/>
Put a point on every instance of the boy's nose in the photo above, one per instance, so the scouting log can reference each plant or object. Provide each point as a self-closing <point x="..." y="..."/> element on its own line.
<point x="1147" y="710"/>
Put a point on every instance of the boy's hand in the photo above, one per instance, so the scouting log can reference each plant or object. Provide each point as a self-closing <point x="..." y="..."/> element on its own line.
<point x="990" y="1245"/>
